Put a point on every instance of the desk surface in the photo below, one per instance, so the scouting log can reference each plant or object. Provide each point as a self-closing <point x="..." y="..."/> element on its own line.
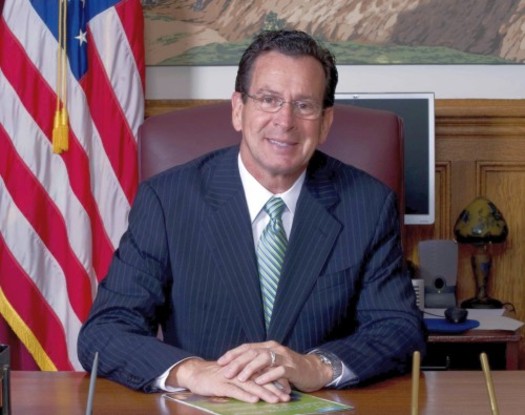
<point x="43" y="393"/>
<point x="477" y="336"/>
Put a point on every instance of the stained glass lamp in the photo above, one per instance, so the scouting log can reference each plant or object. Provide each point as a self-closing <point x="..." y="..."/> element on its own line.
<point x="481" y="224"/>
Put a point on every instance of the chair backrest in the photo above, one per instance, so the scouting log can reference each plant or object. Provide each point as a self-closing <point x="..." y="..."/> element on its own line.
<point x="371" y="140"/>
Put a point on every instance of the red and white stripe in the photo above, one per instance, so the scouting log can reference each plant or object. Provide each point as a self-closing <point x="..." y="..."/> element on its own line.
<point x="61" y="216"/>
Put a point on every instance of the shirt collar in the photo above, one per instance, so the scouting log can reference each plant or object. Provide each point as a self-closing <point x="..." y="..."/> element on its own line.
<point x="257" y="195"/>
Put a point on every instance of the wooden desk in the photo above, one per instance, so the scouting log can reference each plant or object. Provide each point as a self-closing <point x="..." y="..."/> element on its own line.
<point x="451" y="393"/>
<point x="502" y="348"/>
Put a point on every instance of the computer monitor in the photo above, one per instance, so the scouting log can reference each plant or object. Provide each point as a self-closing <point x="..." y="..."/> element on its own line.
<point x="417" y="112"/>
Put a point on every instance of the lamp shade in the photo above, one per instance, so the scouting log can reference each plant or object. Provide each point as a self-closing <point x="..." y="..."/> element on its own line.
<point x="481" y="223"/>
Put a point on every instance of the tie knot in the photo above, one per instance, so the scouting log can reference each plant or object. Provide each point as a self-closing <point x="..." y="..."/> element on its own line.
<point x="274" y="207"/>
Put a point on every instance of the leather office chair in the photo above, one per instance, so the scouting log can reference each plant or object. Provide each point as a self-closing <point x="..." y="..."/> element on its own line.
<point x="371" y="140"/>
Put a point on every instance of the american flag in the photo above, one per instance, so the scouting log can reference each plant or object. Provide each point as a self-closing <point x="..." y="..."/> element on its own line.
<point x="62" y="215"/>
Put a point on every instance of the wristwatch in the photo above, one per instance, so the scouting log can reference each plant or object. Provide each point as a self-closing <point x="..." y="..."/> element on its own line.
<point x="331" y="360"/>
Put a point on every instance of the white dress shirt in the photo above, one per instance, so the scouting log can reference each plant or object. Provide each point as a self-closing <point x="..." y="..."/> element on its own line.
<point x="257" y="196"/>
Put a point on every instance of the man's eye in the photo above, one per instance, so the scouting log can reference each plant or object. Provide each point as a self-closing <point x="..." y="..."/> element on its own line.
<point x="269" y="100"/>
<point x="304" y="105"/>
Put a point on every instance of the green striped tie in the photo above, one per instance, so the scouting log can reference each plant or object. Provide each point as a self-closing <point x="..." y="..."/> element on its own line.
<point x="270" y="255"/>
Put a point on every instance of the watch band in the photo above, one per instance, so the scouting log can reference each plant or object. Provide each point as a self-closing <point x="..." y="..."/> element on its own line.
<point x="331" y="360"/>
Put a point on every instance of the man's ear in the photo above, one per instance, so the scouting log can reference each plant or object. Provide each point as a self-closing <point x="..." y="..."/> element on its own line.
<point x="237" y="109"/>
<point x="326" y="123"/>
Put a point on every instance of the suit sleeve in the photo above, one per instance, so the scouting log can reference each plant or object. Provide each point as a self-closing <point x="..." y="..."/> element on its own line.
<point x="388" y="323"/>
<point x="124" y="320"/>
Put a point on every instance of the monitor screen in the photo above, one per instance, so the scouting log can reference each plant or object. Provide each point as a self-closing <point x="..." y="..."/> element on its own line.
<point x="417" y="112"/>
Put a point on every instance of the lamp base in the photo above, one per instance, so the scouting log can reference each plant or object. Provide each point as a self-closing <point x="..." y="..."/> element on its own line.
<point x="482" y="303"/>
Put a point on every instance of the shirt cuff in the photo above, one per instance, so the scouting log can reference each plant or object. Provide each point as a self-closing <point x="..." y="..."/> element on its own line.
<point x="160" y="382"/>
<point x="347" y="376"/>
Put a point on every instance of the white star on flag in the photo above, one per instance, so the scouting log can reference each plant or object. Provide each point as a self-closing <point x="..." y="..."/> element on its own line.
<point x="81" y="37"/>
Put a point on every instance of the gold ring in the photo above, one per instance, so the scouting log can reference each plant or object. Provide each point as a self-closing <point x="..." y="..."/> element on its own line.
<point x="273" y="356"/>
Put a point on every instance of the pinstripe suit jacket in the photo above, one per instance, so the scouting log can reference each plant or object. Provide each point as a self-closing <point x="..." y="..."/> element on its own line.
<point x="187" y="262"/>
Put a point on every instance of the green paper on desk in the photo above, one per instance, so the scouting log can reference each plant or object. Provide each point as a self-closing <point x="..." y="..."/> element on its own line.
<point x="300" y="404"/>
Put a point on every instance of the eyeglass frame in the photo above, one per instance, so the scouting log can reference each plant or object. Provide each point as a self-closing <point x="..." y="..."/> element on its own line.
<point x="280" y="104"/>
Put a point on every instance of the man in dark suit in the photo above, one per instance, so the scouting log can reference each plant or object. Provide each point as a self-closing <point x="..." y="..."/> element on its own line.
<point x="339" y="311"/>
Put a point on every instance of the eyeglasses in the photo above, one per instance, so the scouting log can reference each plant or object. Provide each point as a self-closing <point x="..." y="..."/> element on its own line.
<point x="308" y="110"/>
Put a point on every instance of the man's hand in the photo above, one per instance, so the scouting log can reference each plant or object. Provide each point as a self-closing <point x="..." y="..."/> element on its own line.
<point x="269" y="362"/>
<point x="209" y="379"/>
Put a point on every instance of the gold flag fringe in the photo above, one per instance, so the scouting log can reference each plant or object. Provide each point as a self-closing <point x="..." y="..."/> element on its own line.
<point x="24" y="333"/>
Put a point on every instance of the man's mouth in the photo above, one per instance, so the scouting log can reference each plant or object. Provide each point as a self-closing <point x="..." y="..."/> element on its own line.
<point x="279" y="143"/>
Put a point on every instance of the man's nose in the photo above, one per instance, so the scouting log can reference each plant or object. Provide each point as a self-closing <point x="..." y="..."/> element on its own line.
<point x="285" y="116"/>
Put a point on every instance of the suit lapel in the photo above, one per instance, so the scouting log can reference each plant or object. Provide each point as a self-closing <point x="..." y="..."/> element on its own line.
<point x="229" y="234"/>
<point x="313" y="235"/>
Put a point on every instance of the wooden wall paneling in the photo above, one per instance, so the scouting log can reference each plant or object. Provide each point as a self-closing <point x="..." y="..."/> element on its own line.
<point x="484" y="140"/>
<point x="503" y="182"/>
<point x="161" y="106"/>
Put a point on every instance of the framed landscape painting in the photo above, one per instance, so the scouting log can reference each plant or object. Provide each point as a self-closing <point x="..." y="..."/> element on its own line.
<point x="359" y="32"/>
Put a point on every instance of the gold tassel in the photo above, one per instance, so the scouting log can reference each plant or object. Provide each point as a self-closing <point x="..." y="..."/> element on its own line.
<point x="64" y="130"/>
<point x="56" y="132"/>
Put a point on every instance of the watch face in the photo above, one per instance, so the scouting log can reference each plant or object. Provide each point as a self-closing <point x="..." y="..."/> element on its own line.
<point x="325" y="359"/>
<point x="333" y="362"/>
